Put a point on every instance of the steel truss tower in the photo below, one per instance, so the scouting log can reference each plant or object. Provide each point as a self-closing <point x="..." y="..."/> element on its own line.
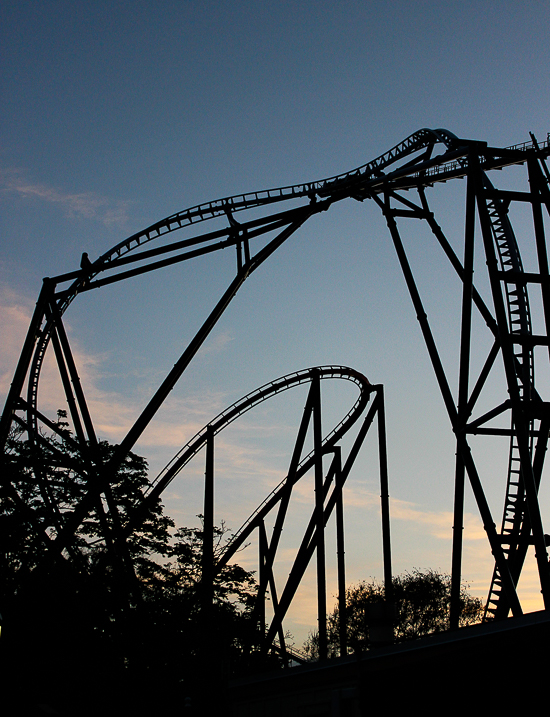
<point x="398" y="182"/>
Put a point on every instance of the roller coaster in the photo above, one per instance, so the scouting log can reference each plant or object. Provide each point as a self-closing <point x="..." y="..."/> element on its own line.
<point x="398" y="183"/>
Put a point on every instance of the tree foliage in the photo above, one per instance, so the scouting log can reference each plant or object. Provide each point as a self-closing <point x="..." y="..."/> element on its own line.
<point x="421" y="607"/>
<point x="111" y="610"/>
<point x="52" y="477"/>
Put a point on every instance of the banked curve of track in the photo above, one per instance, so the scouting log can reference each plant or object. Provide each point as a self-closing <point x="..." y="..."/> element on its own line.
<point x="417" y="141"/>
<point x="340" y="184"/>
<point x="452" y="163"/>
<point x="519" y="322"/>
<point x="237" y="409"/>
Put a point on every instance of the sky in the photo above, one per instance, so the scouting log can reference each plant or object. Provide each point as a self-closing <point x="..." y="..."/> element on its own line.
<point x="117" y="114"/>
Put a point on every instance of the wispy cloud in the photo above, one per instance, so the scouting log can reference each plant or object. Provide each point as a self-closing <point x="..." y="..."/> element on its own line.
<point x="216" y="344"/>
<point x="112" y="412"/>
<point x="14" y="321"/>
<point x="248" y="471"/>
<point x="79" y="205"/>
<point x="436" y="523"/>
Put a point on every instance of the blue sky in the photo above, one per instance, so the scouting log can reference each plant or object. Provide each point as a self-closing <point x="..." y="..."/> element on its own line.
<point x="118" y="114"/>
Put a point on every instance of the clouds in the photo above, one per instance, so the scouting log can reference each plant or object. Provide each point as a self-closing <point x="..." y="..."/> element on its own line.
<point x="217" y="343"/>
<point x="113" y="413"/>
<point x="437" y="523"/>
<point x="79" y="205"/>
<point x="14" y="320"/>
<point x="247" y="469"/>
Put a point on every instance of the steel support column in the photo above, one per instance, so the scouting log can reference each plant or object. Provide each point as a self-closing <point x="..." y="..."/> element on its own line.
<point x="464" y="448"/>
<point x="384" y="495"/>
<point x="319" y="520"/>
<point x="463" y="387"/>
<point x="340" y="553"/>
<point x="207" y="577"/>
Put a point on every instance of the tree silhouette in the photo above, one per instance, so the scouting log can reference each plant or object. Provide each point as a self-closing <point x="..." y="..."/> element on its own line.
<point x="119" y="616"/>
<point x="421" y="607"/>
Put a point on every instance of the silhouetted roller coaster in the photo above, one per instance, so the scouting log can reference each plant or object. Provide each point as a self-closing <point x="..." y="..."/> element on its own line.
<point x="398" y="183"/>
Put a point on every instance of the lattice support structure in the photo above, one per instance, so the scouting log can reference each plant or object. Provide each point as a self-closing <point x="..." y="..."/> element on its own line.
<point x="398" y="182"/>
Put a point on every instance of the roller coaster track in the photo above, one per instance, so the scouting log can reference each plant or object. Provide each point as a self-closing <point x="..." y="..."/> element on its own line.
<point x="423" y="159"/>
<point x="519" y="321"/>
<point x="221" y="421"/>
<point x="279" y="497"/>
<point x="359" y="183"/>
<point x="236" y="410"/>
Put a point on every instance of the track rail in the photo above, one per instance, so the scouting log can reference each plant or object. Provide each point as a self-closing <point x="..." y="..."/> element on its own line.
<point x="237" y="409"/>
<point x="359" y="183"/>
<point x="230" y="414"/>
<point x="520" y="324"/>
<point x="424" y="158"/>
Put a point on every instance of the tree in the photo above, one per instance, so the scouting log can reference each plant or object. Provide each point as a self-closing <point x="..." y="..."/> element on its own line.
<point x="421" y="607"/>
<point x="187" y="631"/>
<point x="52" y="476"/>
<point x="78" y="609"/>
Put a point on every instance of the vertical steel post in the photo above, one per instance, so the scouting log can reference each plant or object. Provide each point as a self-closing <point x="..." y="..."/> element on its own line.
<point x="485" y="511"/>
<point x="319" y="514"/>
<point x="262" y="547"/>
<point x="207" y="582"/>
<point x="267" y="579"/>
<point x="340" y="552"/>
<point x="538" y="185"/>
<point x="463" y="387"/>
<point x="384" y="496"/>
<point x="309" y="541"/>
<point x="520" y="406"/>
